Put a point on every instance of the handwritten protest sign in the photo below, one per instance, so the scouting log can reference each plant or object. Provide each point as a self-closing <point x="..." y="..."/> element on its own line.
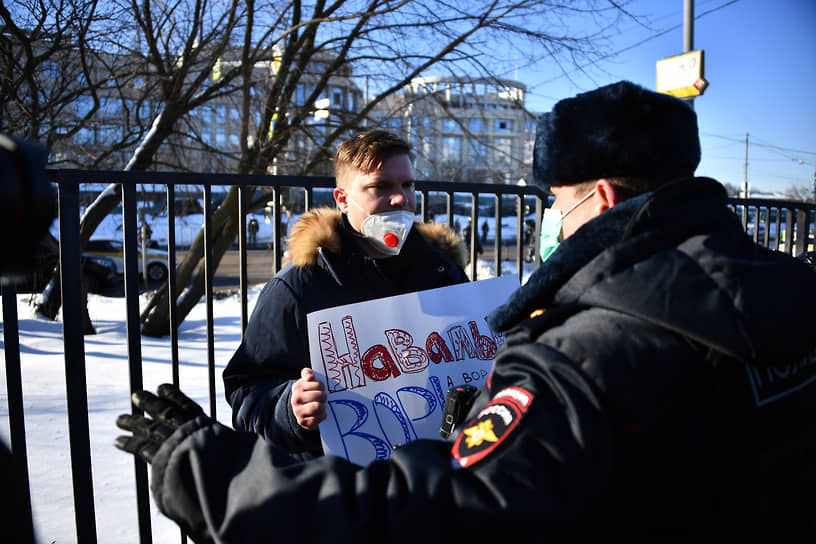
<point x="388" y="363"/>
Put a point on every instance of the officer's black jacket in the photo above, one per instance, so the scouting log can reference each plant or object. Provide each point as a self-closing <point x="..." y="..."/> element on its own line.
<point x="673" y="391"/>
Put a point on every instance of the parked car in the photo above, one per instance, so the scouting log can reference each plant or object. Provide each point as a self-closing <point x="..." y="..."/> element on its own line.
<point x="114" y="250"/>
<point x="98" y="272"/>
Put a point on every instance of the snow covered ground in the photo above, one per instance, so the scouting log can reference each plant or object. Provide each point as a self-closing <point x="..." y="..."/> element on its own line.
<point x="43" y="375"/>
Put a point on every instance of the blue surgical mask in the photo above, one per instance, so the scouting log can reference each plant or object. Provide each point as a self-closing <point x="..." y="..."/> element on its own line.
<point x="551" y="223"/>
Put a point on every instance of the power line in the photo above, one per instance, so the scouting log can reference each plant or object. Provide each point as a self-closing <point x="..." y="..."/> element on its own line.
<point x="754" y="143"/>
<point x="787" y="149"/>
<point x="758" y="159"/>
<point x="638" y="44"/>
<point x="675" y="27"/>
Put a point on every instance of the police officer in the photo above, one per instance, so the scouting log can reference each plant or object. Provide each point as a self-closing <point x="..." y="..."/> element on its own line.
<point x="658" y="380"/>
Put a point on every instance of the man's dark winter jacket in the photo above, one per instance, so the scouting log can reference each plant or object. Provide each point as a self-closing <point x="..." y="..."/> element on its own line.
<point x="329" y="268"/>
<point x="667" y="393"/>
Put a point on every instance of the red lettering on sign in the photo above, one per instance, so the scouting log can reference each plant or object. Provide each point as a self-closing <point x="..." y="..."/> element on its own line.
<point x="409" y="357"/>
<point x="378" y="364"/>
<point x="486" y="346"/>
<point x="343" y="370"/>
<point x="437" y="348"/>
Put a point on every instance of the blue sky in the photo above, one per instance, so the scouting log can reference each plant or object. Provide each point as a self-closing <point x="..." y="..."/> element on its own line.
<point x="760" y="62"/>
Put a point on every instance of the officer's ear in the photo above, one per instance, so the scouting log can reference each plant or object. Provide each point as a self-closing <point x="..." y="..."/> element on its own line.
<point x="608" y="195"/>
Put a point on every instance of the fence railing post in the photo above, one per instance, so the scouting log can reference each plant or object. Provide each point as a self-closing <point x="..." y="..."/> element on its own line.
<point x="74" y="349"/>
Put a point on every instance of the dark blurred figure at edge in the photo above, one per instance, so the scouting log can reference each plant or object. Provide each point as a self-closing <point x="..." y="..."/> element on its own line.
<point x="28" y="206"/>
<point x="657" y="383"/>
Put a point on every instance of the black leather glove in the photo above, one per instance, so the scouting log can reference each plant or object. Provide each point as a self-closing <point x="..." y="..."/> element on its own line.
<point x="169" y="411"/>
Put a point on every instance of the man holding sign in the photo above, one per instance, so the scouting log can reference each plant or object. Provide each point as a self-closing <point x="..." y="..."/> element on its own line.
<point x="370" y="248"/>
<point x="657" y="381"/>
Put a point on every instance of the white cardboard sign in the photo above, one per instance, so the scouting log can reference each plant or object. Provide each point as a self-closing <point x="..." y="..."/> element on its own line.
<point x="388" y="363"/>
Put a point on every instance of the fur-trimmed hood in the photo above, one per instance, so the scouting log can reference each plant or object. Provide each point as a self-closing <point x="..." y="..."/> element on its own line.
<point x="320" y="228"/>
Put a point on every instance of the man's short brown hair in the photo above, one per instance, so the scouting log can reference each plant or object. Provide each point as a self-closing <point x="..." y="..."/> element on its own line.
<point x="367" y="152"/>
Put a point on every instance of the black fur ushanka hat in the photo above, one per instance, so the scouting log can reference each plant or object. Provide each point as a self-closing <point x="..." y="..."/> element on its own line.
<point x="617" y="130"/>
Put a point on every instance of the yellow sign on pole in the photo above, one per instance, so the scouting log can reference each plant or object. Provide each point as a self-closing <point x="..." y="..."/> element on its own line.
<point x="272" y="125"/>
<point x="217" y="69"/>
<point x="682" y="75"/>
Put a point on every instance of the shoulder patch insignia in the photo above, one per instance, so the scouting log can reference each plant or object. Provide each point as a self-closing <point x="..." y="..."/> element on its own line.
<point x="483" y="434"/>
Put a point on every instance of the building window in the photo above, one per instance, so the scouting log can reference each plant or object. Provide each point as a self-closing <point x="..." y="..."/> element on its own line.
<point x="221" y="114"/>
<point x="337" y="98"/>
<point x="503" y="125"/>
<point x="84" y="136"/>
<point x="109" y="134"/>
<point x="450" y="125"/>
<point x="478" y="151"/>
<point x="300" y="95"/>
<point x="82" y="105"/>
<point x="206" y="114"/>
<point x="452" y="148"/>
<point x="502" y="149"/>
<point x="476" y="124"/>
<point x="51" y="70"/>
<point x="220" y="137"/>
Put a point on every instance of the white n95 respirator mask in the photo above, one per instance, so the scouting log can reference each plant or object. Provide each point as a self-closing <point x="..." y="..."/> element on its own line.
<point x="386" y="231"/>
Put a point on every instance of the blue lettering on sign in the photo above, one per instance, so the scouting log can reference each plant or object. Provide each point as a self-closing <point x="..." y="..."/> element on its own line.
<point x="394" y="419"/>
<point x="437" y="386"/>
<point x="381" y="448"/>
<point x="384" y="400"/>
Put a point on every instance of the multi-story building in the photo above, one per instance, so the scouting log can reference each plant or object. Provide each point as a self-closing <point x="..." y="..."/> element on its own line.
<point x="464" y="129"/>
<point x="103" y="118"/>
<point x="217" y="124"/>
<point x="472" y="129"/>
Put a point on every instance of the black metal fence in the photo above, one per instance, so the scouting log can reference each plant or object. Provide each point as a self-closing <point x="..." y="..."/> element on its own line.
<point x="786" y="226"/>
<point x="781" y="225"/>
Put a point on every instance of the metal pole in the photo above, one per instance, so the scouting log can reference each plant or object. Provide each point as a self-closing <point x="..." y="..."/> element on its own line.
<point x="688" y="35"/>
<point x="745" y="174"/>
<point x="745" y="185"/>
<point x="688" y="26"/>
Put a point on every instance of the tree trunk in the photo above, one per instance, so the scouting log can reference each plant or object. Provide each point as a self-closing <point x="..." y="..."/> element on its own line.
<point x="155" y="318"/>
<point x="52" y="300"/>
<point x="52" y="297"/>
<point x="87" y="324"/>
<point x="107" y="201"/>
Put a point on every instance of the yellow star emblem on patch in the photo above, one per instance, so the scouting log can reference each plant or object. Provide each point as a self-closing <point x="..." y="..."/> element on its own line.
<point x="479" y="433"/>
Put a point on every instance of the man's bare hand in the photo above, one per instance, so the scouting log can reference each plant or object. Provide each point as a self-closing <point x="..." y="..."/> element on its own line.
<point x="309" y="400"/>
